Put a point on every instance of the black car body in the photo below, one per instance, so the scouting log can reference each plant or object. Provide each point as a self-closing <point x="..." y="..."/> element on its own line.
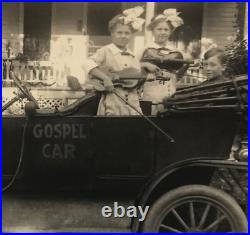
<point x="73" y="149"/>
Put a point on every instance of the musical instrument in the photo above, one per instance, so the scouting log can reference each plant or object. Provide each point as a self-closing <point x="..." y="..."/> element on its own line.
<point x="128" y="78"/>
<point x="165" y="59"/>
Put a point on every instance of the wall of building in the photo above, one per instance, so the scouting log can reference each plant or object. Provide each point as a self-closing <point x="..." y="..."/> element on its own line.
<point x="218" y="22"/>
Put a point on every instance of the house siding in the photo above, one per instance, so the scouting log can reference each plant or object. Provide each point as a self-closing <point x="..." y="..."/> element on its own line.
<point x="218" y="22"/>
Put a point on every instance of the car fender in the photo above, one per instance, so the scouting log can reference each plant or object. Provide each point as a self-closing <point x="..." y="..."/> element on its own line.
<point x="205" y="167"/>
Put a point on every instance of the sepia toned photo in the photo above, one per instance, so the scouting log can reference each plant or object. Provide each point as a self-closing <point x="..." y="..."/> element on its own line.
<point x="125" y="117"/>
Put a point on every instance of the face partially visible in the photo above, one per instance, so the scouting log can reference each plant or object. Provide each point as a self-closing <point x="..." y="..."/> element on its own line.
<point x="161" y="32"/>
<point x="213" y="67"/>
<point x="121" y="35"/>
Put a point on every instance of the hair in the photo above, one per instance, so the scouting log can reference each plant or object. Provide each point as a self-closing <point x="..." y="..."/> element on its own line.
<point x="154" y="22"/>
<point x="219" y="52"/>
<point x="118" y="20"/>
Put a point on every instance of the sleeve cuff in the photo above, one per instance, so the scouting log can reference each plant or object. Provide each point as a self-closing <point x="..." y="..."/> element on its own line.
<point x="89" y="65"/>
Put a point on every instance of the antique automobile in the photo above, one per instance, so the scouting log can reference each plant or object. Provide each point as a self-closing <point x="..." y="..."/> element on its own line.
<point x="167" y="161"/>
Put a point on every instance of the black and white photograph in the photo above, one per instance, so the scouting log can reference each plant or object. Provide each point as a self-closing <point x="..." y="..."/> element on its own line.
<point x="125" y="117"/>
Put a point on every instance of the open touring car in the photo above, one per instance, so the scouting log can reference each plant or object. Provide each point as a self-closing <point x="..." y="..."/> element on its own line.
<point x="167" y="161"/>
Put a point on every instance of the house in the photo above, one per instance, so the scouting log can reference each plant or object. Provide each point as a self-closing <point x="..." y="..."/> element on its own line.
<point x="58" y="36"/>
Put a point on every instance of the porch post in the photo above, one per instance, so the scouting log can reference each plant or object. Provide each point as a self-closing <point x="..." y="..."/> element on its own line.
<point x="150" y="11"/>
<point x="21" y="26"/>
<point x="246" y="22"/>
<point x="85" y="18"/>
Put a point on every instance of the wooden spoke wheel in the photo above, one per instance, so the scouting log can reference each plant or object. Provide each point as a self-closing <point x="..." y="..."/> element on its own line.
<point x="195" y="208"/>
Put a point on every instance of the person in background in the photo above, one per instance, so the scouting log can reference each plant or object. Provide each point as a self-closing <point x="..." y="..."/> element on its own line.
<point x="214" y="66"/>
<point x="117" y="57"/>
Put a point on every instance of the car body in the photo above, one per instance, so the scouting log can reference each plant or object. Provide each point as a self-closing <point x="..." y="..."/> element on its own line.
<point x="74" y="146"/>
<point x="139" y="157"/>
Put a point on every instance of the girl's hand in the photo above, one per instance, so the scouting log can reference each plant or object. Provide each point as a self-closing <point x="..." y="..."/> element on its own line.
<point x="151" y="77"/>
<point x="100" y="75"/>
<point x="109" y="86"/>
<point x="150" y="67"/>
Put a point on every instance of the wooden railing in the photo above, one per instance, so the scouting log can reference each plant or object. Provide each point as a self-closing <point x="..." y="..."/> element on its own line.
<point x="47" y="73"/>
<point x="31" y="71"/>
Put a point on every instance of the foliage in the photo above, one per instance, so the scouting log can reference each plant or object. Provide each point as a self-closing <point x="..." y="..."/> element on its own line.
<point x="237" y="58"/>
<point x="237" y="50"/>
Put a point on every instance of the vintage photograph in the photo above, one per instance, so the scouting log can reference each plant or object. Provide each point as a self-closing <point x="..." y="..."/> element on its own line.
<point x="125" y="117"/>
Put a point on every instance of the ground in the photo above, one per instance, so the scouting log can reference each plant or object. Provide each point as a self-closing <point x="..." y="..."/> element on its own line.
<point x="57" y="213"/>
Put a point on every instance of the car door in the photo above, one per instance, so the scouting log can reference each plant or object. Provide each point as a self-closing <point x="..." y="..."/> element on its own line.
<point x="58" y="151"/>
<point x="123" y="152"/>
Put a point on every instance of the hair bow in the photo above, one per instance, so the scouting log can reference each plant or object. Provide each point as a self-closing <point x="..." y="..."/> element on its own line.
<point x="172" y="16"/>
<point x="131" y="16"/>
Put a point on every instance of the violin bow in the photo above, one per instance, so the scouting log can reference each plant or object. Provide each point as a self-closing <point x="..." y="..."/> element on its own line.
<point x="146" y="118"/>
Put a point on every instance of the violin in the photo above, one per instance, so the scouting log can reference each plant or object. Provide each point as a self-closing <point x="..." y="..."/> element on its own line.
<point x="165" y="59"/>
<point x="128" y="78"/>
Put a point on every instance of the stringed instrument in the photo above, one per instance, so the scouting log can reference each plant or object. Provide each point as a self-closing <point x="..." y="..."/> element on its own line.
<point x="165" y="59"/>
<point x="128" y="78"/>
<point x="170" y="61"/>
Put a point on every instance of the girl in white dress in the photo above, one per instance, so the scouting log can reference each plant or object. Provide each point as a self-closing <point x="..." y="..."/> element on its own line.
<point x="162" y="26"/>
<point x="117" y="57"/>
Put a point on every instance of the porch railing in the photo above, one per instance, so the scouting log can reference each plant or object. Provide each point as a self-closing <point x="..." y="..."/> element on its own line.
<point x="32" y="71"/>
<point x="47" y="73"/>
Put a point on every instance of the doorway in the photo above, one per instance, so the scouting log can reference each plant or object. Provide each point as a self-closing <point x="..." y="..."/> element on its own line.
<point x="99" y="14"/>
<point x="37" y="30"/>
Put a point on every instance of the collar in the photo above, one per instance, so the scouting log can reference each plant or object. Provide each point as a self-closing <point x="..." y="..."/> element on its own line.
<point x="115" y="50"/>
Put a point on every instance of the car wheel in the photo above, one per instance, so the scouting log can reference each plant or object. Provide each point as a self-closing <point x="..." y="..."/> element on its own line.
<point x="195" y="208"/>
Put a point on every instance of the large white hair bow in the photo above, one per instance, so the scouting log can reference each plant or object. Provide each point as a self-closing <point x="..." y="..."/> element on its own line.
<point x="172" y="16"/>
<point x="131" y="16"/>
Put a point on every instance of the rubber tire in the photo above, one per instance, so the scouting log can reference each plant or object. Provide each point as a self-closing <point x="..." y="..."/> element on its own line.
<point x="224" y="200"/>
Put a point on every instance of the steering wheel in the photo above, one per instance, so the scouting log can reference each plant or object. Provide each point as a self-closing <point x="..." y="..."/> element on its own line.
<point x="23" y="88"/>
